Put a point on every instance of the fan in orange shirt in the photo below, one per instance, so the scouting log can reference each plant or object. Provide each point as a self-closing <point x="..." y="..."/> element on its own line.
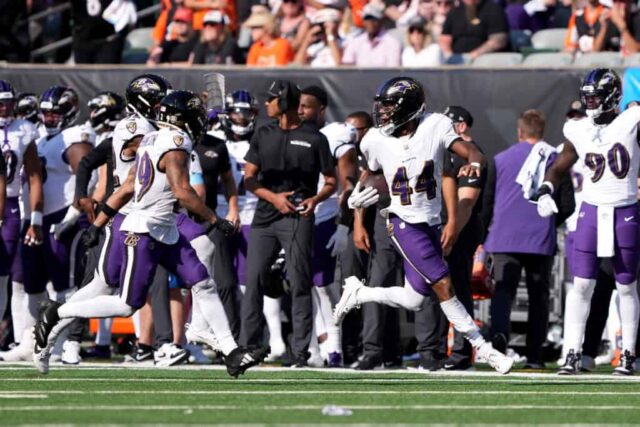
<point x="267" y="50"/>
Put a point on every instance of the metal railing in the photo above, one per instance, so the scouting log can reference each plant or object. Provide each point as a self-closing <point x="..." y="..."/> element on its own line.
<point x="68" y="40"/>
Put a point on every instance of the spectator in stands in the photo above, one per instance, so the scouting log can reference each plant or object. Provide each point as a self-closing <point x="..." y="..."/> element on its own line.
<point x="519" y="238"/>
<point x="293" y="23"/>
<point x="160" y="30"/>
<point x="420" y="50"/>
<point x="619" y="29"/>
<point x="200" y="9"/>
<point x="267" y="50"/>
<point x="583" y="27"/>
<point x="177" y="51"/>
<point x="375" y="47"/>
<point x="475" y="27"/>
<point x="217" y="45"/>
<point x="322" y="46"/>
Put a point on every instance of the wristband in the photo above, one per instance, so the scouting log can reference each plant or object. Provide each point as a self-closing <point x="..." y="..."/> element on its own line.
<point x="36" y="218"/>
<point x="108" y="210"/>
<point x="475" y="165"/>
<point x="548" y="184"/>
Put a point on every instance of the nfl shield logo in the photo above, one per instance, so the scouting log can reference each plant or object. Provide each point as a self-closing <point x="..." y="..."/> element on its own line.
<point x="132" y="127"/>
<point x="178" y="140"/>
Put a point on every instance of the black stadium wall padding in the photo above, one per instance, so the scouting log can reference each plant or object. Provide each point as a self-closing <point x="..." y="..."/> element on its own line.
<point x="495" y="97"/>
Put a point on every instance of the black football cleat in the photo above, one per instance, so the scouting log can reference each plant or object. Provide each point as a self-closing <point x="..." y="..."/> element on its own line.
<point x="571" y="365"/>
<point x="47" y="319"/>
<point x="627" y="364"/>
<point x="243" y="358"/>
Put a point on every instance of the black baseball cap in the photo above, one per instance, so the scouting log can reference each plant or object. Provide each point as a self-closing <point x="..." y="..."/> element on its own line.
<point x="317" y="92"/>
<point x="459" y="114"/>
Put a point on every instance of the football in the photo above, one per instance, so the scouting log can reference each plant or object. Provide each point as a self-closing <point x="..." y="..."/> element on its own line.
<point x="377" y="181"/>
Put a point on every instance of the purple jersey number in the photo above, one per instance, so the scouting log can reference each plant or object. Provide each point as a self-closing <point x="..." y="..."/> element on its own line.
<point x="618" y="159"/>
<point x="144" y="174"/>
<point x="425" y="183"/>
<point x="11" y="161"/>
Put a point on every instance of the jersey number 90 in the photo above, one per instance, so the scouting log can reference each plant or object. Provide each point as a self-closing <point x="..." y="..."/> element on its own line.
<point x="618" y="159"/>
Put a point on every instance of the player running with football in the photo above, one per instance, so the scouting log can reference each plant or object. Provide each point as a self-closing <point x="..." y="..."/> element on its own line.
<point x="606" y="141"/>
<point x="408" y="145"/>
<point x="149" y="236"/>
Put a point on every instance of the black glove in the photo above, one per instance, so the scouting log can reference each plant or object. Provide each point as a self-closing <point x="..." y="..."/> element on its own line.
<point x="91" y="236"/>
<point x="226" y="227"/>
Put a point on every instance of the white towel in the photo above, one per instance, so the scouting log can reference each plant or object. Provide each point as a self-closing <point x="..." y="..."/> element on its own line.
<point x="120" y="14"/>
<point x="605" y="231"/>
<point x="531" y="174"/>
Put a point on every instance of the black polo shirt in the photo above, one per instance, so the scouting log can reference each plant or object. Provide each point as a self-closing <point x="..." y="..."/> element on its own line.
<point x="469" y="35"/>
<point x="289" y="160"/>
<point x="214" y="159"/>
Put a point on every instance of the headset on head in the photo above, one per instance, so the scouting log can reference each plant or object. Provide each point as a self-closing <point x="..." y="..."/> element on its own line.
<point x="288" y="94"/>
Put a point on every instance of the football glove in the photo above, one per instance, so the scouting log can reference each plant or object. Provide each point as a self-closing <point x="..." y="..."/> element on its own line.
<point x="91" y="236"/>
<point x="338" y="242"/>
<point x="546" y="205"/>
<point x="69" y="220"/>
<point x="363" y="197"/>
<point x="226" y="227"/>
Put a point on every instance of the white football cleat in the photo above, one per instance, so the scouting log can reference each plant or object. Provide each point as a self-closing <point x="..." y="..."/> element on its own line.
<point x="499" y="361"/>
<point x="170" y="354"/>
<point x="204" y="336"/>
<point x="71" y="353"/>
<point x="349" y="300"/>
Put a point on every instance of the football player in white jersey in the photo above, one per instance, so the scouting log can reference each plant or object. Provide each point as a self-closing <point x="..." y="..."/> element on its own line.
<point x="149" y="235"/>
<point x="330" y="237"/>
<point x="18" y="149"/>
<point x="408" y="145"/>
<point x="606" y="142"/>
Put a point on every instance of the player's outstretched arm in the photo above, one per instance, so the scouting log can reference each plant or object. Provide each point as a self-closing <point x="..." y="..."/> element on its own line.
<point x="176" y="167"/>
<point x="471" y="154"/>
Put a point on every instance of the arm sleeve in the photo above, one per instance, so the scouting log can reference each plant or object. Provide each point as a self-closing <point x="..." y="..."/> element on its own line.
<point x="92" y="161"/>
<point x="565" y="200"/>
<point x="489" y="196"/>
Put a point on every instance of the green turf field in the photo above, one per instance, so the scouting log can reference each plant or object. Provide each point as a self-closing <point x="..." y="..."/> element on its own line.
<point x="98" y="395"/>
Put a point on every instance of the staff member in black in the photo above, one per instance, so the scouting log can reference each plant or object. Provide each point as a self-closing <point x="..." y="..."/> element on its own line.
<point x="284" y="162"/>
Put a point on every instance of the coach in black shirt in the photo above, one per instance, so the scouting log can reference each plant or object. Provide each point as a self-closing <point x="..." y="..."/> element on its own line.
<point x="284" y="162"/>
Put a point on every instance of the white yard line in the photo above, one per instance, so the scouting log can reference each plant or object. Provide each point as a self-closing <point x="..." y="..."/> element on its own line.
<point x="93" y="408"/>
<point x="23" y="395"/>
<point x="28" y="393"/>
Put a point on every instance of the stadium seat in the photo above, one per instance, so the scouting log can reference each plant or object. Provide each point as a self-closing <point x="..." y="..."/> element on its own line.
<point x="599" y="59"/>
<point x="498" y="59"/>
<point x="632" y="60"/>
<point x="552" y="38"/>
<point x="555" y="59"/>
<point x="137" y="45"/>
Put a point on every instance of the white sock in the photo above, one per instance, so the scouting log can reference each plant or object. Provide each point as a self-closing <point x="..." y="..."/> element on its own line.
<point x="318" y="320"/>
<point x="135" y="319"/>
<point x="205" y="249"/>
<point x="212" y="310"/>
<point x="19" y="309"/>
<point x="103" y="336"/>
<point x="394" y="296"/>
<point x="579" y="299"/>
<point x="4" y="295"/>
<point x="325" y="304"/>
<point x="567" y="307"/>
<point x="271" y="311"/>
<point x="462" y="322"/>
<point x="100" y="306"/>
<point x="629" y="315"/>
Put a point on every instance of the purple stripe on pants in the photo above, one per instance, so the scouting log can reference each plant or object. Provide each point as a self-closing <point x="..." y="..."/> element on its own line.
<point x="323" y="265"/>
<point x="626" y="243"/>
<point x="419" y="245"/>
<point x="10" y="235"/>
<point x="141" y="256"/>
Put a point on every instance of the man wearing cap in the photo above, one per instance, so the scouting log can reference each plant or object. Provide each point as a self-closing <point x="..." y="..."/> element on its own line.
<point x="178" y="50"/>
<point x="519" y="238"/>
<point x="217" y="45"/>
<point x="374" y="47"/>
<point x="432" y="327"/>
<point x="322" y="46"/>
<point x="267" y="50"/>
<point x="283" y="164"/>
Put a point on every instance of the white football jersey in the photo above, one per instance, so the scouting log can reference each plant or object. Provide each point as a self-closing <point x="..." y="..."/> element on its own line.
<point x="58" y="180"/>
<point x="341" y="137"/>
<point x="126" y="129"/>
<point x="152" y="206"/>
<point x="412" y="167"/>
<point x="247" y="201"/>
<point x="15" y="139"/>
<point x="609" y="155"/>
